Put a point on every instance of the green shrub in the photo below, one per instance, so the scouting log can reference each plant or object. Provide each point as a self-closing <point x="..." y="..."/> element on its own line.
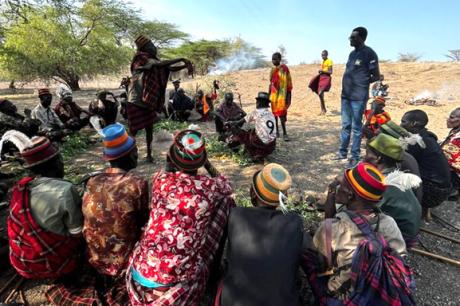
<point x="218" y="149"/>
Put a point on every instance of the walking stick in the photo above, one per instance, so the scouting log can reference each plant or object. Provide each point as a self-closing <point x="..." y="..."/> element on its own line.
<point x="445" y="222"/>
<point x="15" y="290"/>
<point x="8" y="283"/>
<point x="439" y="235"/>
<point x="436" y="256"/>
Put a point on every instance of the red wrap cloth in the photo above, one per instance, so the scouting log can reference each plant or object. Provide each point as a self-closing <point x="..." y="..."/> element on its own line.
<point x="34" y="252"/>
<point x="320" y="82"/>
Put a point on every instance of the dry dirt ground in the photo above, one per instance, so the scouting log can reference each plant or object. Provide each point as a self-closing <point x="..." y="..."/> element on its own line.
<point x="314" y="141"/>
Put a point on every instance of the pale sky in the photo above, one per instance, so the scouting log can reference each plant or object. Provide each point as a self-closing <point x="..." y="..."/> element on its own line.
<point x="305" y="28"/>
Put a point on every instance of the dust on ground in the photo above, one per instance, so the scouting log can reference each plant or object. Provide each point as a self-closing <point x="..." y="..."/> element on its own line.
<point x="314" y="141"/>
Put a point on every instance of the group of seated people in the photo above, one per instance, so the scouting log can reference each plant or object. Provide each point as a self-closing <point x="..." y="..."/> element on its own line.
<point x="57" y="122"/>
<point x="256" y="130"/>
<point x="181" y="107"/>
<point x="190" y="238"/>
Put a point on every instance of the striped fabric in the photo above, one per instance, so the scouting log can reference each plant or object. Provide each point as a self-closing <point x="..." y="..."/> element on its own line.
<point x="117" y="143"/>
<point x="141" y="41"/>
<point x="367" y="181"/>
<point x="270" y="181"/>
<point x="43" y="91"/>
<point x="36" y="253"/>
<point x="378" y="275"/>
<point x="188" y="150"/>
<point x="41" y="151"/>
<point x="380" y="100"/>
<point x="139" y="118"/>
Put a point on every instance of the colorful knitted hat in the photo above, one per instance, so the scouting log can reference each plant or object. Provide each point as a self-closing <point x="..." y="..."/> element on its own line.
<point x="188" y="150"/>
<point x="141" y="41"/>
<point x="269" y="182"/>
<point x="117" y="142"/>
<point x="41" y="151"/>
<point x="367" y="181"/>
<point x="388" y="146"/>
<point x="393" y="129"/>
<point x="379" y="100"/>
<point x="34" y="151"/>
<point x="43" y="91"/>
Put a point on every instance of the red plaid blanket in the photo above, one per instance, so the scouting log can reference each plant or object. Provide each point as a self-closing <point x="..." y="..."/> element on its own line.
<point x="35" y="252"/>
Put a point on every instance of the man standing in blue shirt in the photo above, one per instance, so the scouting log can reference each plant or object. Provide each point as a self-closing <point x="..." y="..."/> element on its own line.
<point x="361" y="70"/>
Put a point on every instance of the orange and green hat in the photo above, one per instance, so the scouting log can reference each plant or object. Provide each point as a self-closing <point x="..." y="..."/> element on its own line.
<point x="366" y="181"/>
<point x="117" y="142"/>
<point x="269" y="182"/>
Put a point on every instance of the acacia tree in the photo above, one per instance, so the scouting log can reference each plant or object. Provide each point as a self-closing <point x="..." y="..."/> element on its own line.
<point x="66" y="40"/>
<point x="203" y="53"/>
<point x="454" y="55"/>
<point x="408" y="57"/>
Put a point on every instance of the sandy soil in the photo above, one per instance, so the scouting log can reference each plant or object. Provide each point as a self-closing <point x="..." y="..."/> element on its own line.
<point x="314" y="142"/>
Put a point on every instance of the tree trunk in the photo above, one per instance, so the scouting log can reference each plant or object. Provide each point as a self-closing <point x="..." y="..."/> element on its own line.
<point x="68" y="78"/>
<point x="73" y="83"/>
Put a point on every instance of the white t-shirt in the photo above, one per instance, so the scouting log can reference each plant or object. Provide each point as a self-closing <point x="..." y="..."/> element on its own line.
<point x="264" y="123"/>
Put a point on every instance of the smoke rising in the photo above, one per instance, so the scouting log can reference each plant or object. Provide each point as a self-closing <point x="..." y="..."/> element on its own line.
<point x="239" y="60"/>
<point x="448" y="92"/>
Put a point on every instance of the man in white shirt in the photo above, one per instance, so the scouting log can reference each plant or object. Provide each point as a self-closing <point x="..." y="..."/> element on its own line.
<point x="50" y="124"/>
<point x="260" y="140"/>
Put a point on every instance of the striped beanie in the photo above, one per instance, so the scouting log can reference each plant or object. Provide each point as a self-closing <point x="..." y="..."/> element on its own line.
<point x="379" y="100"/>
<point x="41" y="151"/>
<point x="117" y="142"/>
<point x="367" y="181"/>
<point x="141" y="41"/>
<point x="188" y="150"/>
<point x="34" y="151"/>
<point x="269" y="182"/>
<point x="43" y="91"/>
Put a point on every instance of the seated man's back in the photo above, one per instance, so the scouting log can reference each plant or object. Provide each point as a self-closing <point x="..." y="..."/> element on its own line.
<point x="264" y="252"/>
<point x="45" y="213"/>
<point x="115" y="207"/>
<point x="345" y="238"/>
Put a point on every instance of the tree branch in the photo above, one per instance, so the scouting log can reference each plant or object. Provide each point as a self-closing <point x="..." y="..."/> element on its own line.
<point x="84" y="40"/>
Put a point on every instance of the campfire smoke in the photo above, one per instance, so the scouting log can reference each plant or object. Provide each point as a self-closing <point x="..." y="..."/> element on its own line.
<point x="447" y="92"/>
<point x="239" y="60"/>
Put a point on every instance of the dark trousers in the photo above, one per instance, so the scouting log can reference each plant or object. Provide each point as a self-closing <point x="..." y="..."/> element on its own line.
<point x="219" y="125"/>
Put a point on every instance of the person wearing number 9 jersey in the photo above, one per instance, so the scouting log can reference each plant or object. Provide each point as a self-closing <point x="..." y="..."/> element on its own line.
<point x="260" y="140"/>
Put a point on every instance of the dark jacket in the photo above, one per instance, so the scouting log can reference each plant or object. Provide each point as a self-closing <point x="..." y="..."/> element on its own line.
<point x="431" y="161"/>
<point x="264" y="252"/>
